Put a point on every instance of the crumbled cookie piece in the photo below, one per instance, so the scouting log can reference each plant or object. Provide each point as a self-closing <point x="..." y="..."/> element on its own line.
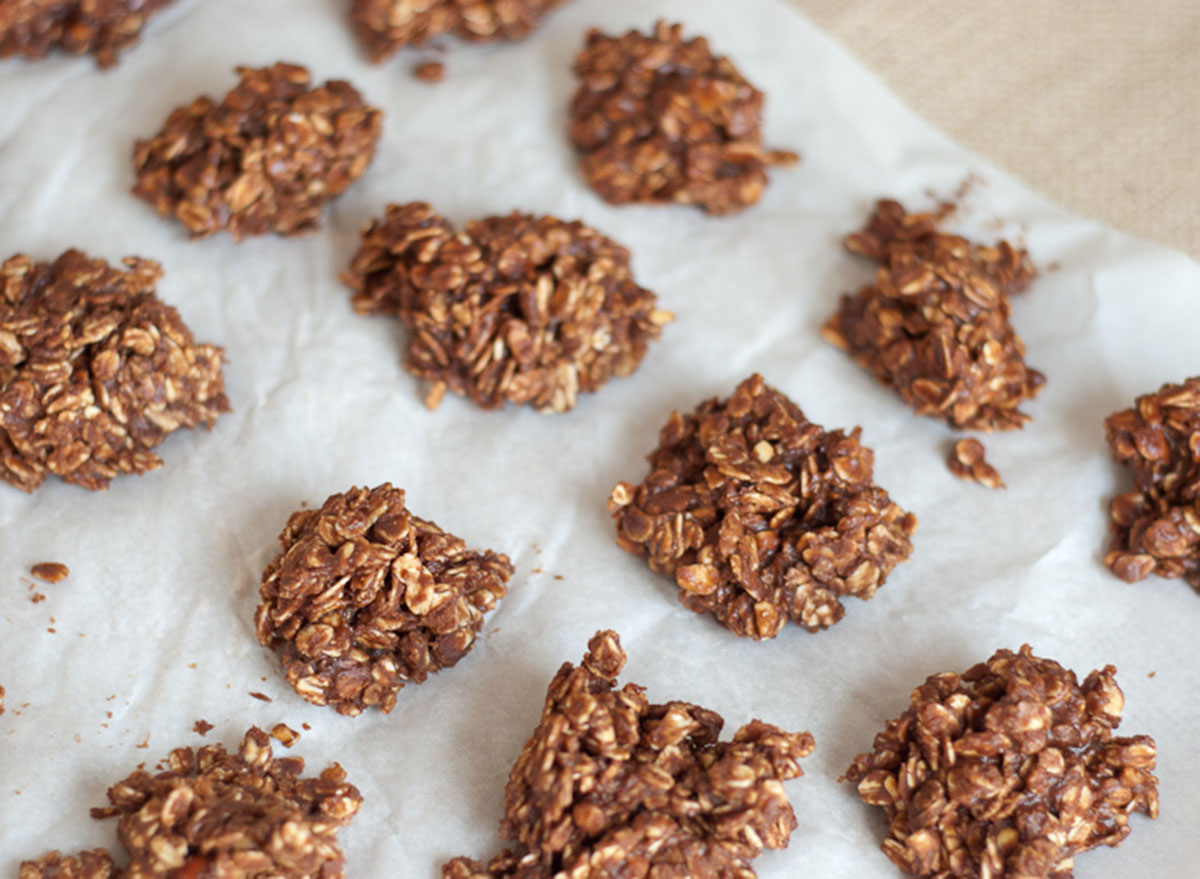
<point x="265" y="159"/>
<point x="385" y="26"/>
<point x="285" y="735"/>
<point x="95" y="371"/>
<point x="1" y="700"/>
<point x="51" y="572"/>
<point x="966" y="461"/>
<point x="660" y="119"/>
<point x="1155" y="527"/>
<point x="934" y="326"/>
<point x="366" y="597"/>
<point x="201" y="727"/>
<point x="761" y="515"/>
<point x="611" y="785"/>
<point x="516" y="309"/>
<point x="430" y="71"/>
<point x="1007" y="771"/>
<point x="102" y="27"/>
<point x="94" y="864"/>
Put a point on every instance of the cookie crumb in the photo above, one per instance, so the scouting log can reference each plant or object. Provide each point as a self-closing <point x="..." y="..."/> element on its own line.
<point x="201" y="727"/>
<point x="966" y="461"/>
<point x="430" y="71"/>
<point x="262" y="697"/>
<point x="285" y="735"/>
<point x="51" y="572"/>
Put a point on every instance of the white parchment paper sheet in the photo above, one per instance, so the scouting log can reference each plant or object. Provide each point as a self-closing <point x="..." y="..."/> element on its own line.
<point x="153" y="627"/>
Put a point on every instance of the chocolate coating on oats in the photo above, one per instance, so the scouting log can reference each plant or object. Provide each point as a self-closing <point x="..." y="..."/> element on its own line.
<point x="95" y="371"/>
<point x="366" y="597"/>
<point x="94" y="864"/>
<point x="934" y="326"/>
<point x="267" y="158"/>
<point x="612" y="785"/>
<point x="1155" y="527"/>
<point x="1007" y="771"/>
<point x="385" y="26"/>
<point x="103" y="28"/>
<point x="517" y="309"/>
<point x="661" y="119"/>
<point x="761" y="515"/>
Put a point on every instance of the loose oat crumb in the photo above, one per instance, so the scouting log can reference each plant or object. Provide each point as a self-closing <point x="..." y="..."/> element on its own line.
<point x="1151" y="674"/>
<point x="661" y="119"/>
<point x="285" y="735"/>
<point x="37" y="598"/>
<point x="366" y="598"/>
<point x="612" y="785"/>
<point x="966" y="461"/>
<point x="262" y="697"/>
<point x="265" y="159"/>
<point x="51" y="572"/>
<point x="761" y="516"/>
<point x="305" y="727"/>
<point x="430" y="71"/>
<point x="515" y="309"/>
<point x="1" y="700"/>
<point x="202" y="727"/>
<point x="1007" y="771"/>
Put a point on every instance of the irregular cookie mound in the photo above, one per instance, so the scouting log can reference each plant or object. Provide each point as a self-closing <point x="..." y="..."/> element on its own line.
<point x="384" y="26"/>
<point x="95" y="371"/>
<point x="211" y="813"/>
<point x="1009" y="770"/>
<point x="934" y="326"/>
<point x="520" y="309"/>
<point x="365" y="597"/>
<point x="102" y="27"/>
<point x="267" y="158"/>
<point x="761" y="515"/>
<point x="611" y="785"/>
<point x="94" y="864"/>
<point x="1155" y="527"/>
<point x="660" y="119"/>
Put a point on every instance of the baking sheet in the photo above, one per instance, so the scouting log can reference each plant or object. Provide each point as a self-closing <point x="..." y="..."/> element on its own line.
<point x="153" y="629"/>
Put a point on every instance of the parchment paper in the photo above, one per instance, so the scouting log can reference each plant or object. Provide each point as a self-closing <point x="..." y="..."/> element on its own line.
<point x="153" y="627"/>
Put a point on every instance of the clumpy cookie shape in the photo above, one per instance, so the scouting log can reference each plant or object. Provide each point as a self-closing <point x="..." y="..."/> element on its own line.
<point x="267" y="158"/>
<point x="660" y="119"/>
<point x="761" y="515"/>
<point x="1156" y="527"/>
<point x="94" y="864"/>
<point x="236" y="816"/>
<point x="611" y="785"/>
<point x="1009" y="770"/>
<point x="517" y="309"/>
<point x="102" y="27"/>
<point x="384" y="26"/>
<point x="366" y="597"/>
<point x="95" y="371"/>
<point x="934" y="326"/>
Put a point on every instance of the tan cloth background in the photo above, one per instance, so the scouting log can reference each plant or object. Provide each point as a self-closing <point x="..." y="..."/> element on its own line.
<point x="1095" y="103"/>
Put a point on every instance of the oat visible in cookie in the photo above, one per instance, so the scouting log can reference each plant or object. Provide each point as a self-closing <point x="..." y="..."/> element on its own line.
<point x="103" y="28"/>
<point x="966" y="461"/>
<point x="762" y="516"/>
<point x="658" y="118"/>
<point x="284" y="734"/>
<point x="516" y="309"/>
<point x="934" y="326"/>
<point x="1007" y="771"/>
<point x="212" y="813"/>
<point x="612" y="785"/>
<point x="93" y="864"/>
<point x="386" y="26"/>
<point x="1155" y="527"/>
<point x="95" y="371"/>
<point x="267" y="158"/>
<point x="366" y="597"/>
